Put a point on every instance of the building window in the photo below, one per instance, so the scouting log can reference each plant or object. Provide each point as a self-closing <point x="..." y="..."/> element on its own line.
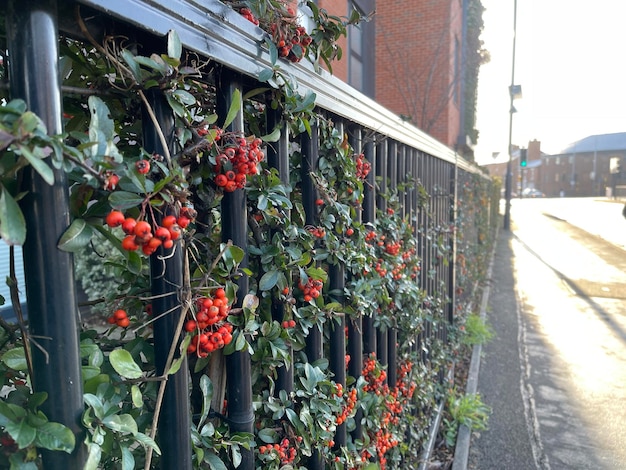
<point x="355" y="66"/>
<point x="361" y="49"/>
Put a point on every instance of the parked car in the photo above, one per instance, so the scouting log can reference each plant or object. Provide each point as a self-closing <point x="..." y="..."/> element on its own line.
<point x="532" y="192"/>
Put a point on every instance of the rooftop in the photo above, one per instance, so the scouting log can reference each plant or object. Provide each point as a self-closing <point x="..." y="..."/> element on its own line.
<point x="597" y="143"/>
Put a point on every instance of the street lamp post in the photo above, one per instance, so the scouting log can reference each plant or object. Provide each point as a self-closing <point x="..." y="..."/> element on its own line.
<point x="514" y="92"/>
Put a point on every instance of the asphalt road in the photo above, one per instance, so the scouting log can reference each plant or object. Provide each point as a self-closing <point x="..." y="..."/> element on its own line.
<point x="555" y="375"/>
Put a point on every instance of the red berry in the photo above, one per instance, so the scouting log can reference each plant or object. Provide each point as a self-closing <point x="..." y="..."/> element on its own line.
<point x="190" y="325"/>
<point x="162" y="234"/>
<point x="124" y="322"/>
<point x="129" y="243"/>
<point x="183" y="221"/>
<point x="119" y="314"/>
<point x="350" y="231"/>
<point x="114" y="219"/>
<point x="319" y="202"/>
<point x="111" y="182"/>
<point x="175" y="232"/>
<point x="142" y="228"/>
<point x="168" y="221"/>
<point x="128" y="226"/>
<point x="143" y="166"/>
<point x="221" y="180"/>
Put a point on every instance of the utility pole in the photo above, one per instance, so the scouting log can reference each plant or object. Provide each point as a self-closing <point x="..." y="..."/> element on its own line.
<point x="509" y="169"/>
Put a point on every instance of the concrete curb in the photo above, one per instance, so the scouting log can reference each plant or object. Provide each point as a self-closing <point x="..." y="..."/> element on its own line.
<point x="461" y="450"/>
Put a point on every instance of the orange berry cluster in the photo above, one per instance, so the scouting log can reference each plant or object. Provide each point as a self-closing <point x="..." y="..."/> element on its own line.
<point x="393" y="248"/>
<point x="119" y="318"/>
<point x="209" y="324"/>
<point x="288" y="324"/>
<point x="140" y="234"/>
<point x="317" y="232"/>
<point x="363" y="167"/>
<point x="384" y="442"/>
<point x="371" y="235"/>
<point x="285" y="451"/>
<point x="348" y="408"/>
<point x="235" y="162"/>
<point x="312" y="289"/>
<point x="382" y="272"/>
<point x="290" y="40"/>
<point x="374" y="375"/>
<point x="247" y="14"/>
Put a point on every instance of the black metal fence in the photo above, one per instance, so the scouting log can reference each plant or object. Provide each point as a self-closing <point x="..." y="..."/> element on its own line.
<point x="432" y="184"/>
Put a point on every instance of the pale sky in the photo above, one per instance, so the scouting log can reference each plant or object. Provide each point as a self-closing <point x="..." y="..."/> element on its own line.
<point x="571" y="64"/>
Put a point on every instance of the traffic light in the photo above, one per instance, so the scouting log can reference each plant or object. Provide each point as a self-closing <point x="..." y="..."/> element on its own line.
<point x="523" y="157"/>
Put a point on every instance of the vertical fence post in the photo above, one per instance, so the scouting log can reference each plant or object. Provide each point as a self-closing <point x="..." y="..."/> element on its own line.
<point x="32" y="42"/>
<point x="166" y="273"/>
<point x="382" y="160"/>
<point x="309" y="146"/>
<point x="278" y="157"/>
<point x="355" y="324"/>
<point x="453" y="201"/>
<point x="234" y="228"/>
<point x="369" y="217"/>
<point x="392" y="333"/>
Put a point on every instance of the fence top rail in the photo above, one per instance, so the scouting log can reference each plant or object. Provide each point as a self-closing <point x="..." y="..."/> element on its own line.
<point x="213" y="29"/>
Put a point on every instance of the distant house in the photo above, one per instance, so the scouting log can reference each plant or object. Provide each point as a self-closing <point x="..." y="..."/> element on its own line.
<point x="586" y="167"/>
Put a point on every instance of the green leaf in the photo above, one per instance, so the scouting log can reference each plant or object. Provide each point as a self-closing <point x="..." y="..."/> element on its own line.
<point x="21" y="432"/>
<point x="128" y="460"/>
<point x="272" y="136"/>
<point x="123" y="200"/>
<point x="134" y="67"/>
<point x="121" y="423"/>
<point x="235" y="108"/>
<point x="306" y="103"/>
<point x="137" y="398"/>
<point x="15" y="359"/>
<point x="12" y="223"/>
<point x="214" y="462"/>
<point x="123" y="363"/>
<point x="268" y="435"/>
<point x="265" y="75"/>
<point x="174" y="47"/>
<point x="134" y="263"/>
<point x="55" y="436"/>
<point x="38" y="164"/>
<point x="207" y="395"/>
<point x="147" y="441"/>
<point x="93" y="457"/>
<point x="10" y="412"/>
<point x="102" y="131"/>
<point x="184" y="97"/>
<point x="268" y="280"/>
<point x="77" y="236"/>
<point x="95" y="403"/>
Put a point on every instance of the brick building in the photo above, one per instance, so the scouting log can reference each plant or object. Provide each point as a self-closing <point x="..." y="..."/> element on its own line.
<point x="585" y="168"/>
<point x="412" y="58"/>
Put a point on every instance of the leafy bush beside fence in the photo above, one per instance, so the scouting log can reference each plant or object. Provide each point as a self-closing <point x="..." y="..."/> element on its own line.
<point x="313" y="276"/>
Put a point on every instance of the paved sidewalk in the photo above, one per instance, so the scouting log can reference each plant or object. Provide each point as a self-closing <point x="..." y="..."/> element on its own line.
<point x="506" y="444"/>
